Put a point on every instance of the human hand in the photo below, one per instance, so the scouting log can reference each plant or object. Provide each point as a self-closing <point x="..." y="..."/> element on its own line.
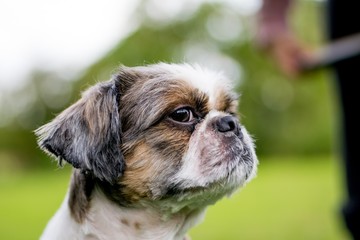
<point x="288" y="53"/>
<point x="275" y="36"/>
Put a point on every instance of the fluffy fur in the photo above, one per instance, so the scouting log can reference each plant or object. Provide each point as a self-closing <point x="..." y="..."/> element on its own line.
<point x="151" y="149"/>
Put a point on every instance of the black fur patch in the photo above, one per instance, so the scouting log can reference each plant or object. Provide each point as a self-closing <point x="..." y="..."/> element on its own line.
<point x="88" y="133"/>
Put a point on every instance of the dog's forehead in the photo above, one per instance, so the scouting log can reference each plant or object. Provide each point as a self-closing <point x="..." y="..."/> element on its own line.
<point x="209" y="82"/>
<point x="212" y="83"/>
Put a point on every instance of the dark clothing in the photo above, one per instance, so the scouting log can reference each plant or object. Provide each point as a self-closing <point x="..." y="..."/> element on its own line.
<point x="343" y="21"/>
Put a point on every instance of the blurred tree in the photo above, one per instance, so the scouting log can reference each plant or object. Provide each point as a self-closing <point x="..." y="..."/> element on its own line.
<point x="285" y="117"/>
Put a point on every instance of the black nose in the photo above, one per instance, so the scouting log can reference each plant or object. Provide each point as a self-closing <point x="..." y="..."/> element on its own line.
<point x="227" y="124"/>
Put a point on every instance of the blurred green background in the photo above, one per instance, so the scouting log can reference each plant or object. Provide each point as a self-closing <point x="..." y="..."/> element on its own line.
<point x="299" y="188"/>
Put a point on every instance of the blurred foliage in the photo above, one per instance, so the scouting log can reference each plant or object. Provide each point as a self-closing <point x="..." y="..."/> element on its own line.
<point x="285" y="117"/>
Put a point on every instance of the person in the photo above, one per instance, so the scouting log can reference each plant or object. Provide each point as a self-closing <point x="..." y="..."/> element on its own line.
<point x="279" y="40"/>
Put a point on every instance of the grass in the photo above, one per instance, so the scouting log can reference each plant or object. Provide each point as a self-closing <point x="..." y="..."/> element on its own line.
<point x="28" y="200"/>
<point x="292" y="198"/>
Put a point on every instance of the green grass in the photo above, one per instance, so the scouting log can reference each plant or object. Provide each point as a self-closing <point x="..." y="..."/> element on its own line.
<point x="28" y="200"/>
<point x="291" y="198"/>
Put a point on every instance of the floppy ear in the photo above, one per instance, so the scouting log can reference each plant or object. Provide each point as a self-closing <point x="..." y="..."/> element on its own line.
<point x="88" y="133"/>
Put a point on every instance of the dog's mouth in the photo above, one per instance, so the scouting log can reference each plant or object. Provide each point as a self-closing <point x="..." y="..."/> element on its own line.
<point x="215" y="163"/>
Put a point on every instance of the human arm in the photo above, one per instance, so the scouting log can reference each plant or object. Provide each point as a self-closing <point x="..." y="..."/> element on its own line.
<point x="274" y="34"/>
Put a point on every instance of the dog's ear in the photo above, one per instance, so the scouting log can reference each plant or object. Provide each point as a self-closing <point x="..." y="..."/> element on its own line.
<point x="88" y="133"/>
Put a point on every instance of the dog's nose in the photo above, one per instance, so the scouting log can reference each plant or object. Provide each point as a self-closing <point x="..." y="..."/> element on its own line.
<point x="227" y="124"/>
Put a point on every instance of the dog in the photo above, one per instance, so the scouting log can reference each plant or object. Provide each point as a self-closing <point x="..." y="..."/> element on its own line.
<point x="151" y="149"/>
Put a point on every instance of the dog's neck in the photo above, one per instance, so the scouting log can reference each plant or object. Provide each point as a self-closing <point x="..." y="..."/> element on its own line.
<point x="110" y="220"/>
<point x="89" y="213"/>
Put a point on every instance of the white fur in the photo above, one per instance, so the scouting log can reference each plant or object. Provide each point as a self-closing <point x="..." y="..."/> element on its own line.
<point x="106" y="221"/>
<point x="62" y="225"/>
<point x="190" y="172"/>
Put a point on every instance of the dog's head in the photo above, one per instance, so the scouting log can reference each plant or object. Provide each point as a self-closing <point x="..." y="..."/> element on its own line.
<point x="157" y="132"/>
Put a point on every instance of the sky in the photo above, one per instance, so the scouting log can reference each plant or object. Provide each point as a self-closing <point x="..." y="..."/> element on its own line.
<point x="57" y="35"/>
<point x="67" y="36"/>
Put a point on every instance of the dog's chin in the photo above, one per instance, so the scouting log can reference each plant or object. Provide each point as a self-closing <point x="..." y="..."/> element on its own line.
<point x="194" y="194"/>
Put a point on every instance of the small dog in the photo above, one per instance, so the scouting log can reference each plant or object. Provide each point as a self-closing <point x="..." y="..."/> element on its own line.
<point x="151" y="149"/>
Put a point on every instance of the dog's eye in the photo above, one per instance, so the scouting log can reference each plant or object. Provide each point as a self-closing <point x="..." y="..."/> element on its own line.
<point x="182" y="115"/>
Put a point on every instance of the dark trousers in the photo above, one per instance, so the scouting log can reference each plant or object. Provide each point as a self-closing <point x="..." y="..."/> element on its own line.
<point x="343" y="20"/>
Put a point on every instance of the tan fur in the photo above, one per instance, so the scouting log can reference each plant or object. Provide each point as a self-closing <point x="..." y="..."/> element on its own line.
<point x="225" y="102"/>
<point x="146" y="165"/>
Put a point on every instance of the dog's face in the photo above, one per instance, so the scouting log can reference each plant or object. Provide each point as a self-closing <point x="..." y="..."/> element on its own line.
<point x="157" y="132"/>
